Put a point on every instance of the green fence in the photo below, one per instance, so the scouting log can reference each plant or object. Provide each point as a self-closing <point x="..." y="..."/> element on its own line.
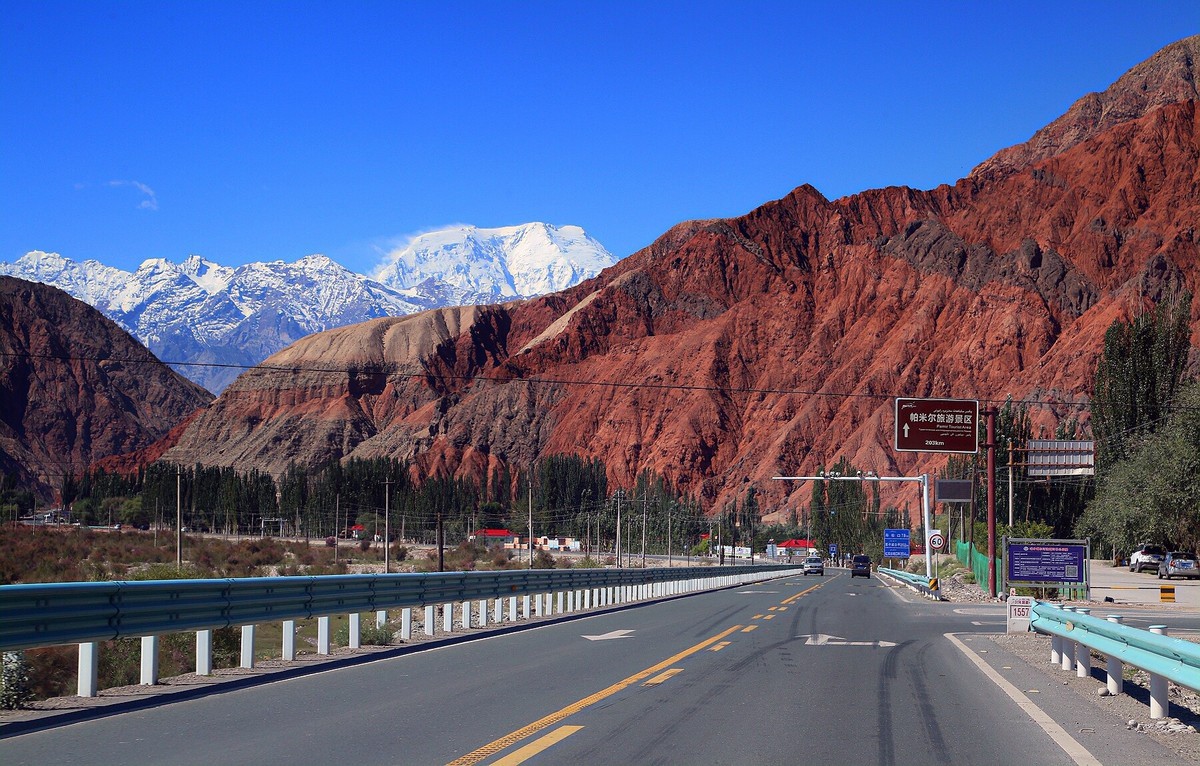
<point x="978" y="564"/>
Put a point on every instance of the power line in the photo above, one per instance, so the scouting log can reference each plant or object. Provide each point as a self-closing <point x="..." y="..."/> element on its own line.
<point x="435" y="375"/>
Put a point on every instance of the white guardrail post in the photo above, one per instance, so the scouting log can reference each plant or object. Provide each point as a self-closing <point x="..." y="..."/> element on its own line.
<point x="289" y="640"/>
<point x="149" y="675"/>
<point x="247" y="646"/>
<point x="322" y="635"/>
<point x="1159" y="702"/>
<point x="1083" y="653"/>
<point x="89" y="667"/>
<point x="204" y="652"/>
<point x="1116" y="679"/>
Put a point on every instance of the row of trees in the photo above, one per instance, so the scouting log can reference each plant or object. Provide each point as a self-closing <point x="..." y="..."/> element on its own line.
<point x="562" y="495"/>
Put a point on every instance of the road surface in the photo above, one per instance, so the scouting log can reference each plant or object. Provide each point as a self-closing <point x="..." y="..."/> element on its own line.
<point x="823" y="670"/>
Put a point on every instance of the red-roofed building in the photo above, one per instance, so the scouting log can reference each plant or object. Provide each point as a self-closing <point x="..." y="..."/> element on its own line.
<point x="796" y="547"/>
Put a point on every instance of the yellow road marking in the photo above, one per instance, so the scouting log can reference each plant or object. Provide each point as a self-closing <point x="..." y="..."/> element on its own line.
<point x="537" y="746"/>
<point x="792" y="599"/>
<point x="769" y="617"/>
<point x="772" y="608"/>
<point x="757" y="617"/>
<point x="749" y="628"/>
<point x="508" y="740"/>
<point x="658" y="679"/>
<point x="720" y="646"/>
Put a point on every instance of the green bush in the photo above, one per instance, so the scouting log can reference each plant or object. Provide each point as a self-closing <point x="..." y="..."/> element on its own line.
<point x="15" y="689"/>
<point x="368" y="633"/>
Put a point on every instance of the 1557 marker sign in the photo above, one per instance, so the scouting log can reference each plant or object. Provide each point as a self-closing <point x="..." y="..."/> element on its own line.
<point x="937" y="425"/>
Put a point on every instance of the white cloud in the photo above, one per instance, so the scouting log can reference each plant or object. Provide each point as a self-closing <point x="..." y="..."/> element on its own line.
<point x="151" y="199"/>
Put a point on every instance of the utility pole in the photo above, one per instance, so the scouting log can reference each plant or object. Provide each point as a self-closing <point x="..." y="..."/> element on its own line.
<point x="1010" y="486"/>
<point x="669" y="560"/>
<point x="441" y="542"/>
<point x="387" y="528"/>
<point x="644" y="504"/>
<point x="618" y="544"/>
<point x="178" y="516"/>
<point x="337" y="533"/>
<point x="531" y="518"/>
<point x="991" y="498"/>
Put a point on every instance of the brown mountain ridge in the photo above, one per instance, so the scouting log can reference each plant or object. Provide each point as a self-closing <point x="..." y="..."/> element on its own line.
<point x="733" y="350"/>
<point x="75" y="387"/>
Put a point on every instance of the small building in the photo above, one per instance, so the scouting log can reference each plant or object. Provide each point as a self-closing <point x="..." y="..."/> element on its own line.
<point x="795" y="547"/>
<point x="494" y="538"/>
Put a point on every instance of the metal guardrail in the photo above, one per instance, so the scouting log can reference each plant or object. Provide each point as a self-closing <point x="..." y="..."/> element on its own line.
<point x="1075" y="632"/>
<point x="47" y="614"/>
<point x="919" y="583"/>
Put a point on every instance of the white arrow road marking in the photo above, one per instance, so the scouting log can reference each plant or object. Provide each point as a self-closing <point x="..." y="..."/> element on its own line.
<point x="610" y="634"/>
<point x="822" y="639"/>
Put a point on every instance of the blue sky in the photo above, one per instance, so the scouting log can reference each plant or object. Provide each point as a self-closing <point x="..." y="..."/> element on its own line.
<point x="271" y="130"/>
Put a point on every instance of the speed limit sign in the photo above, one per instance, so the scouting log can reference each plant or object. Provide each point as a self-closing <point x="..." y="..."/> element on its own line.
<point x="936" y="541"/>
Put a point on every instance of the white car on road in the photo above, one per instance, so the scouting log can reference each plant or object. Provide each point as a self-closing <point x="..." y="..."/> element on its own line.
<point x="1146" y="557"/>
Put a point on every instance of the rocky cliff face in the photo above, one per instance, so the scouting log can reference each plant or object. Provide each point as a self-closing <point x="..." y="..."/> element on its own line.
<point x="730" y="351"/>
<point x="75" y="387"/>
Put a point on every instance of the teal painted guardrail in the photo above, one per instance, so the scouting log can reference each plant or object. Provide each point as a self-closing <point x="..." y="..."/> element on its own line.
<point x="919" y="582"/>
<point x="1174" y="658"/>
<point x="1163" y="657"/>
<point x="47" y="614"/>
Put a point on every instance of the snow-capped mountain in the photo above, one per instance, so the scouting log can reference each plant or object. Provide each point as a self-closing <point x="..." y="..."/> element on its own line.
<point x="472" y="265"/>
<point x="211" y="321"/>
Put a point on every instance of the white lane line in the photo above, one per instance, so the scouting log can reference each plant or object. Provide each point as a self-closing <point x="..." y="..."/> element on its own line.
<point x="1079" y="754"/>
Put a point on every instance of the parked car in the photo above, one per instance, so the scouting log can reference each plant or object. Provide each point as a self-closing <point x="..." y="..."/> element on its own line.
<point x="814" y="565"/>
<point x="860" y="565"/>
<point x="1146" y="557"/>
<point x="1178" y="564"/>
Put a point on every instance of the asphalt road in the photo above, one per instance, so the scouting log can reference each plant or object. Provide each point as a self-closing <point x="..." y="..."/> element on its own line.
<point x="824" y="670"/>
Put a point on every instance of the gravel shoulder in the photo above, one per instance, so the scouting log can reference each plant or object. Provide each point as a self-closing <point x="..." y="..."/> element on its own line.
<point x="1130" y="709"/>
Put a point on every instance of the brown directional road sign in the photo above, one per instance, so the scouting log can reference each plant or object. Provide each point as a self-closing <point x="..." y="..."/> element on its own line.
<point x="937" y="425"/>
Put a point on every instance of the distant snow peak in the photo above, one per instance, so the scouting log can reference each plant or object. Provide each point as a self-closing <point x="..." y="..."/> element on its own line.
<point x="484" y="265"/>
<point x="201" y="311"/>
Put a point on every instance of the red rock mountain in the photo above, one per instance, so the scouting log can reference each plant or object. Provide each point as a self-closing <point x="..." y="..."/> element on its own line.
<point x="733" y="350"/>
<point x="75" y="387"/>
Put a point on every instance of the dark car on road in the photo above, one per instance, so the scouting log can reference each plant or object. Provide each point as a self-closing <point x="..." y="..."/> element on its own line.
<point x="860" y="565"/>
<point x="1178" y="564"/>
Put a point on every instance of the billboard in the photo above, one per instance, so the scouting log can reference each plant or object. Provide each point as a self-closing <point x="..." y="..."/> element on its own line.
<point x="937" y="425"/>
<point x="1055" y="457"/>
<point x="1047" y="562"/>
<point x="896" y="544"/>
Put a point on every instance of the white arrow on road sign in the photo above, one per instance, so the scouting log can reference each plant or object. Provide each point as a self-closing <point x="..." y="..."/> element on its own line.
<point x="610" y="634"/>
<point x="821" y="639"/>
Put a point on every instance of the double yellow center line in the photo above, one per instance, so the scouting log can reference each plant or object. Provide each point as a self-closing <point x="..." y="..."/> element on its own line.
<point x="716" y="643"/>
<point x="508" y="740"/>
